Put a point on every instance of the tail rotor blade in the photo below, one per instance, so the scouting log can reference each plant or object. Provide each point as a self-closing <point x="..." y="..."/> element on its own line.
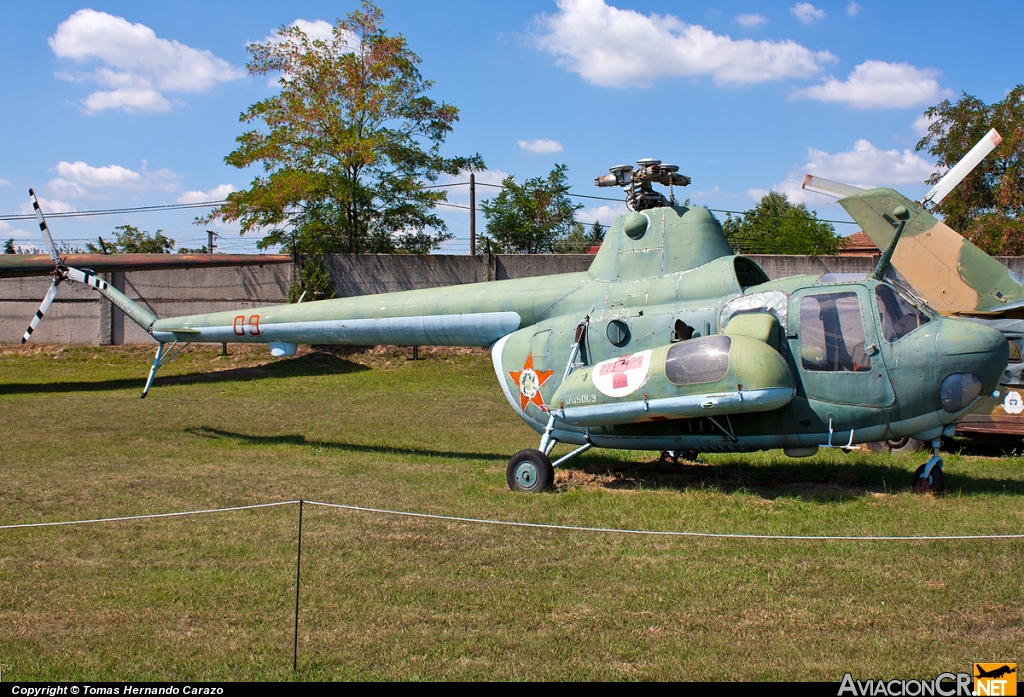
<point x="47" y="301"/>
<point x="43" y="228"/>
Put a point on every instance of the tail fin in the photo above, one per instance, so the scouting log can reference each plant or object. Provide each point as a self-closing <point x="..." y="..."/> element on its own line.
<point x="943" y="268"/>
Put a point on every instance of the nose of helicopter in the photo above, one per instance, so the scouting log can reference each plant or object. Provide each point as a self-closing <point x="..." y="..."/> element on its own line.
<point x="974" y="357"/>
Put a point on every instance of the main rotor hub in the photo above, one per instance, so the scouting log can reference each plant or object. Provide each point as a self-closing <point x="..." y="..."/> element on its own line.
<point x="637" y="181"/>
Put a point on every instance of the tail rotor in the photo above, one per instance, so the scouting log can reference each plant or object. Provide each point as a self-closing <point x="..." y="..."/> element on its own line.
<point x="47" y="301"/>
<point x="60" y="272"/>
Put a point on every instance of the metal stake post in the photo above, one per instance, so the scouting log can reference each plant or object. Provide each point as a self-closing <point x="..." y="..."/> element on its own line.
<point x="298" y="568"/>
<point x="472" y="214"/>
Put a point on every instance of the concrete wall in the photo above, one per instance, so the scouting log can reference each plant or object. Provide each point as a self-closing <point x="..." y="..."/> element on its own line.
<point x="368" y="274"/>
<point x="784" y="265"/>
<point x="80" y="316"/>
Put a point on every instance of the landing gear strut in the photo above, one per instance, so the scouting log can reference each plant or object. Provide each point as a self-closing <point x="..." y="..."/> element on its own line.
<point x="929" y="477"/>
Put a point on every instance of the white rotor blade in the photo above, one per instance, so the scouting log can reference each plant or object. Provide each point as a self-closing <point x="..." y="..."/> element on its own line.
<point x="43" y="227"/>
<point x="962" y="168"/>
<point x="828" y="187"/>
<point x="50" y="295"/>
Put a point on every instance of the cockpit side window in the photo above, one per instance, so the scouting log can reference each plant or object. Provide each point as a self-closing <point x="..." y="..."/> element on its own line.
<point x="896" y="316"/>
<point x="832" y="333"/>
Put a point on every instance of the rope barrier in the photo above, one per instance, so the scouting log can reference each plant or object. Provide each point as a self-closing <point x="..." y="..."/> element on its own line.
<point x="144" y="517"/>
<point x="543" y="526"/>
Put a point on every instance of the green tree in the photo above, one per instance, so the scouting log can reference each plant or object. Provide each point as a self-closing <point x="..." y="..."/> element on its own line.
<point x="776" y="226"/>
<point x="530" y="218"/>
<point x="9" y="246"/>
<point x="128" y="239"/>
<point x="346" y="146"/>
<point x="988" y="205"/>
<point x="575" y="242"/>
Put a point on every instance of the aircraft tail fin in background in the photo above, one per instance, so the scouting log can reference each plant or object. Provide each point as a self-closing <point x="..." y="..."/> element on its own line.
<point x="943" y="268"/>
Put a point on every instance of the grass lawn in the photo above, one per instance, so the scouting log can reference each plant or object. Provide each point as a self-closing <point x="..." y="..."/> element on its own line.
<point x="383" y="597"/>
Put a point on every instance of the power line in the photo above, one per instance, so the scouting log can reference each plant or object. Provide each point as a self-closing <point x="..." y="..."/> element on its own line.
<point x="114" y="211"/>
<point x="211" y="204"/>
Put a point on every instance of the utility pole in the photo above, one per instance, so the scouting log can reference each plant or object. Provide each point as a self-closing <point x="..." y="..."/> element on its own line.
<point x="210" y="246"/>
<point x="472" y="214"/>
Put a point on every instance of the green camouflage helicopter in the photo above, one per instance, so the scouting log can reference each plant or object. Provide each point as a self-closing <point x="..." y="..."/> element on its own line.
<point x="668" y="342"/>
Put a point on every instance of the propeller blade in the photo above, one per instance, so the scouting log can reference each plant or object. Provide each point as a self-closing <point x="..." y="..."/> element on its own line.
<point x="43" y="228"/>
<point x="962" y="168"/>
<point x="50" y="295"/>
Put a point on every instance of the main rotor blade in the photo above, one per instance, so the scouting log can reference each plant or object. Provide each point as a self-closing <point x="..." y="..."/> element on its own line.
<point x="43" y="227"/>
<point x="50" y="295"/>
<point x="828" y="187"/>
<point x="962" y="168"/>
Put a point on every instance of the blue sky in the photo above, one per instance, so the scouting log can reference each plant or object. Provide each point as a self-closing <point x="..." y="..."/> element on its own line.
<point x="124" y="104"/>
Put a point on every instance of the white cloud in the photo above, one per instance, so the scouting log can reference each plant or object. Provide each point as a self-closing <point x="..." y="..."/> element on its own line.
<point x="318" y="29"/>
<point x="921" y="125"/>
<point x="751" y="20"/>
<point x="807" y="13"/>
<point x="623" y="48"/>
<point x="80" y="180"/>
<point x="853" y="9"/>
<point x="879" y="85"/>
<point x="540" y="146"/>
<point x="136" y="66"/>
<point x="7" y="232"/>
<point x="68" y="189"/>
<point x="488" y="176"/>
<point x="48" y="206"/>
<point x="218" y="193"/>
<point x="4" y="182"/>
<point x="603" y="214"/>
<point x="134" y="101"/>
<point x="713" y="192"/>
<point x="864" y="165"/>
<point x="111" y="175"/>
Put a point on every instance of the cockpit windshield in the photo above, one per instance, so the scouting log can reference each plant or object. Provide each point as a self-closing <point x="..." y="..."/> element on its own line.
<point x="896" y="316"/>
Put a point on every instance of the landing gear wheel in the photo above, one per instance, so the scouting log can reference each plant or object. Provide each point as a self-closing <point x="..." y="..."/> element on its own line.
<point x="935" y="484"/>
<point x="676" y="457"/>
<point x="897" y="446"/>
<point x="530" y="471"/>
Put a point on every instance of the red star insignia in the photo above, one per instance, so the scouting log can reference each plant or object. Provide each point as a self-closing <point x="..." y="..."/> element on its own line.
<point x="529" y="381"/>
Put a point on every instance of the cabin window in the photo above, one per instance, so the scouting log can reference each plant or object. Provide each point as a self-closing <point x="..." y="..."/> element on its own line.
<point x="618" y="333"/>
<point x="896" y="316"/>
<point x="832" y="333"/>
<point x="681" y="331"/>
<point x="1014" y="351"/>
<point x="691" y="362"/>
<point x="748" y="273"/>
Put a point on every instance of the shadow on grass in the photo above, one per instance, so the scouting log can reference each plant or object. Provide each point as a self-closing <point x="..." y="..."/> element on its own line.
<point x="817" y="481"/>
<point x="302" y="441"/>
<point x="301" y="366"/>
<point x="993" y="446"/>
